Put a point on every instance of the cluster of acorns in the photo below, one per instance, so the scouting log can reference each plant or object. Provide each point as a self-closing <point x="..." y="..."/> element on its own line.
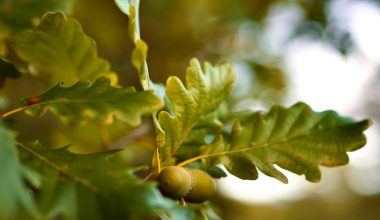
<point x="193" y="185"/>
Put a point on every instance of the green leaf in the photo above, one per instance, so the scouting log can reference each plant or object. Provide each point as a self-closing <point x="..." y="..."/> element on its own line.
<point x="99" y="100"/>
<point x="216" y="172"/>
<point x="91" y="186"/>
<point x="66" y="199"/>
<point x="241" y="167"/>
<point x="205" y="89"/>
<point x="14" y="194"/>
<point x="59" y="51"/>
<point x="90" y="137"/>
<point x="296" y="139"/>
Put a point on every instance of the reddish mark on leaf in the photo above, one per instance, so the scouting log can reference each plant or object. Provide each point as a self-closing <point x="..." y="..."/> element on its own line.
<point x="306" y="110"/>
<point x="173" y="154"/>
<point x="33" y="100"/>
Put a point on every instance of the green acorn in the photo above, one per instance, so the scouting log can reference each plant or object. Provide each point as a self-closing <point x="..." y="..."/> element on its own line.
<point x="193" y="185"/>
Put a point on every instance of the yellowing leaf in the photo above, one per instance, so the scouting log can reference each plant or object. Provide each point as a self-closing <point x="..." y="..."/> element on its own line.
<point x="59" y="51"/>
<point x="205" y="89"/>
<point x="99" y="100"/>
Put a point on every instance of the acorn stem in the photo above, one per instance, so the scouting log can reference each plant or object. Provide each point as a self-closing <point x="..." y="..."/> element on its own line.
<point x="186" y="162"/>
<point x="183" y="202"/>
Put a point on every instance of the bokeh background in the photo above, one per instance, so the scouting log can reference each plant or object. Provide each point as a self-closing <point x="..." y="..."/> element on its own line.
<point x="325" y="53"/>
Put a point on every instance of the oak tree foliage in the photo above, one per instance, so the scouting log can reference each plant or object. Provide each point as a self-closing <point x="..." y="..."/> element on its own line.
<point x="193" y="125"/>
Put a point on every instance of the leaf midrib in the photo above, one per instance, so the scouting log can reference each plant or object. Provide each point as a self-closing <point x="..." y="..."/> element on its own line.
<point x="60" y="169"/>
<point x="258" y="146"/>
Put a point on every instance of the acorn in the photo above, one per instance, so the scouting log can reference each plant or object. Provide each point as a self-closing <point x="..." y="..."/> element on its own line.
<point x="193" y="185"/>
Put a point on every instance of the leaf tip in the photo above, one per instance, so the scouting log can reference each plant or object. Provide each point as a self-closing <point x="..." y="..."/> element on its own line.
<point x="368" y="123"/>
<point x="194" y="62"/>
<point x="123" y="6"/>
<point x="58" y="15"/>
<point x="282" y="179"/>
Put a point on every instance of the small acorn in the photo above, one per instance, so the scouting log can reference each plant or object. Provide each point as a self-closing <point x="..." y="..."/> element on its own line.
<point x="193" y="185"/>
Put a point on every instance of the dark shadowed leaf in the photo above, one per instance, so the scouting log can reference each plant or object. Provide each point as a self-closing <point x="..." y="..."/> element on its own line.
<point x="7" y="71"/>
<point x="19" y="14"/>
<point x="92" y="186"/>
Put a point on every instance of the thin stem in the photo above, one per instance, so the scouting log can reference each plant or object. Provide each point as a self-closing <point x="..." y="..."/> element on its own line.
<point x="158" y="161"/>
<point x="158" y="131"/>
<point x="14" y="111"/>
<point x="186" y="162"/>
<point x="259" y="146"/>
<point x="183" y="202"/>
<point x="148" y="176"/>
